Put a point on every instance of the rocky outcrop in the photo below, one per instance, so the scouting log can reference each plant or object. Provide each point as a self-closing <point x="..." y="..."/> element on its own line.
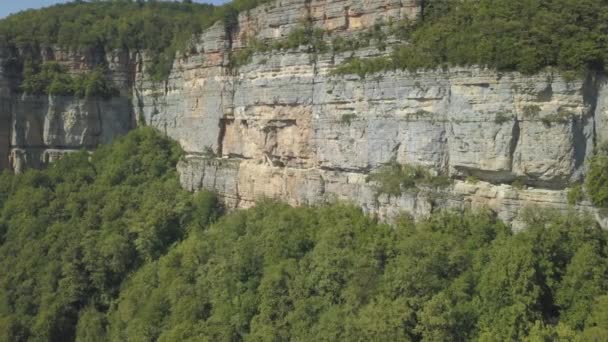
<point x="284" y="126"/>
<point x="36" y="129"/>
<point x="43" y="127"/>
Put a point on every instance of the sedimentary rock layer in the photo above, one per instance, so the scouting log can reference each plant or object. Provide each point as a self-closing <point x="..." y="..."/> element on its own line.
<point x="284" y="126"/>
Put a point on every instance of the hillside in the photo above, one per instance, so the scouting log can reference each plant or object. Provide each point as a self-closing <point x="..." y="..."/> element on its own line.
<point x="403" y="170"/>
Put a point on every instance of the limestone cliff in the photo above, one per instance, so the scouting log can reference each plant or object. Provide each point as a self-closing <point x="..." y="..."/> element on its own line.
<point x="284" y="126"/>
<point x="36" y="129"/>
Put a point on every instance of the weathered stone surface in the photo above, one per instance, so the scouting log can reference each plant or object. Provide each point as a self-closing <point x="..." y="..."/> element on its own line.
<point x="294" y="132"/>
<point x="36" y="130"/>
<point x="191" y="104"/>
<point x="42" y="126"/>
<point x="601" y="110"/>
<point x="62" y="121"/>
<point x="277" y="19"/>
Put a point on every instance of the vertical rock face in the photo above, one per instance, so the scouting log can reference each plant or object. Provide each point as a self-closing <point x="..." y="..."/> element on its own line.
<point x="35" y="130"/>
<point x="309" y="137"/>
<point x="43" y="127"/>
<point x="190" y="105"/>
<point x="284" y="126"/>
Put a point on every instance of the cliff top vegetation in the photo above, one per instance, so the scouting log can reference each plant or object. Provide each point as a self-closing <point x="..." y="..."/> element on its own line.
<point x="160" y="28"/>
<point x="518" y="35"/>
<point x="515" y="35"/>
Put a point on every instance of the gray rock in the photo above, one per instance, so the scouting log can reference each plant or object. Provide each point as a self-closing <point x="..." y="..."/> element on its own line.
<point x="54" y="123"/>
<point x="284" y="127"/>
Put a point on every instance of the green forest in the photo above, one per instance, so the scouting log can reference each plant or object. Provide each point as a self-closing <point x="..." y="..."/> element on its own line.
<point x="159" y="28"/>
<point x="516" y="35"/>
<point x="108" y="247"/>
<point x="520" y="35"/>
<point x="52" y="78"/>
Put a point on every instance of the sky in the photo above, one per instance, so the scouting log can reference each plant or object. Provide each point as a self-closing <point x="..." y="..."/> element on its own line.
<point x="11" y="6"/>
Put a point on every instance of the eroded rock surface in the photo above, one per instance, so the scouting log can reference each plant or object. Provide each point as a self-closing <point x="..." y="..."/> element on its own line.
<point x="284" y="126"/>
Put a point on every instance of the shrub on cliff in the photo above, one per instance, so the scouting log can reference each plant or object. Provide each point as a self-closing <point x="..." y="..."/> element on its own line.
<point x="53" y="78"/>
<point x="393" y="178"/>
<point x="596" y="182"/>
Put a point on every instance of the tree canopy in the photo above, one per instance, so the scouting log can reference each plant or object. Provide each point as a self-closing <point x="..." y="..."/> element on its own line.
<point x="71" y="234"/>
<point x="160" y="28"/>
<point x="515" y="35"/>
<point x="53" y="78"/>
<point x="276" y="273"/>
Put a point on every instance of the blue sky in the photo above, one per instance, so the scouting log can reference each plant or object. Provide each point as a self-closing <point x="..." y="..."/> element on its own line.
<point x="11" y="6"/>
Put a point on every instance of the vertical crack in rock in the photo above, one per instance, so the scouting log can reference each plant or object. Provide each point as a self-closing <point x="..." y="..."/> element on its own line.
<point x="98" y="116"/>
<point x="446" y="134"/>
<point x="131" y="69"/>
<point x="579" y="143"/>
<point x="138" y="110"/>
<point x="422" y="8"/>
<point x="346" y="18"/>
<point x="230" y="74"/>
<point x="308" y="9"/>
<point x="220" y="136"/>
<point x="204" y="173"/>
<point x="237" y="195"/>
<point x="139" y="117"/>
<point x="515" y="135"/>
<point x="224" y="120"/>
<point x="584" y="129"/>
<point x="215" y="169"/>
<point x="446" y="154"/>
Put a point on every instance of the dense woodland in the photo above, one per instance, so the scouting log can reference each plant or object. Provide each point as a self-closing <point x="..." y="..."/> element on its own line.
<point x="70" y="235"/>
<point x="159" y="28"/>
<point x="514" y="35"/>
<point x="108" y="247"/>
